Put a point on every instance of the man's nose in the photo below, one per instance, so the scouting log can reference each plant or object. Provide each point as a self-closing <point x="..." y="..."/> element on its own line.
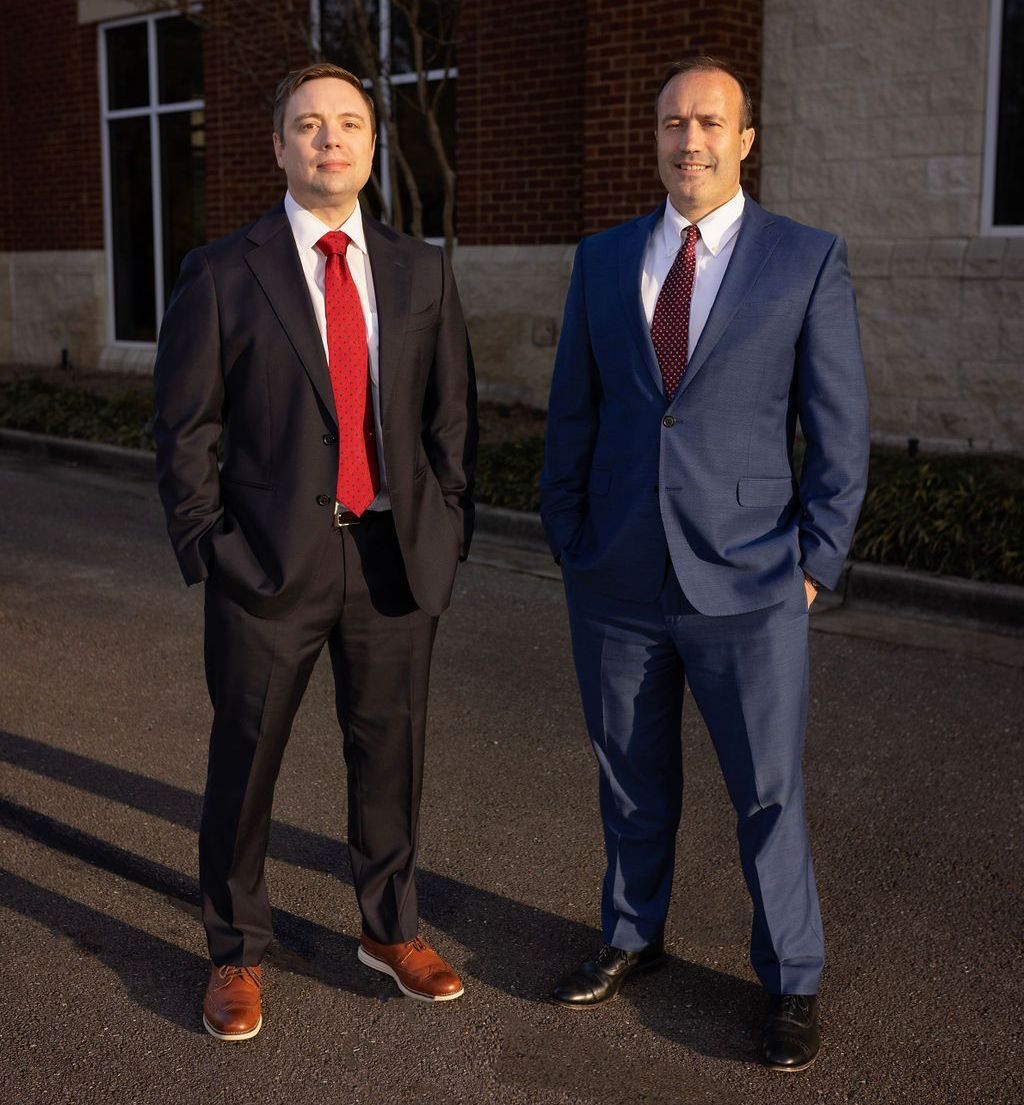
<point x="691" y="137"/>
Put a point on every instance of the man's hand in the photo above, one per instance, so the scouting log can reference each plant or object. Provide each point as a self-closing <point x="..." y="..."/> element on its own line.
<point x="811" y="588"/>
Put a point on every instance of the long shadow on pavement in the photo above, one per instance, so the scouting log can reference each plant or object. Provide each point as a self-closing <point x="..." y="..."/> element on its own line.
<point x="147" y="966"/>
<point x="717" y="1009"/>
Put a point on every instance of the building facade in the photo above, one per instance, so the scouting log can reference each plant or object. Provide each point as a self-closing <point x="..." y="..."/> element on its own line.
<point x="129" y="134"/>
<point x="902" y="128"/>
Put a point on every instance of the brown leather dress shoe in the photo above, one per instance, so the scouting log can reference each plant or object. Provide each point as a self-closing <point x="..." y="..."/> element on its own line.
<point x="419" y="971"/>
<point x="231" y="1007"/>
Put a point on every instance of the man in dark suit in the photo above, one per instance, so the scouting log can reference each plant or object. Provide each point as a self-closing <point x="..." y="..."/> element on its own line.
<point x="693" y="339"/>
<point x="331" y="354"/>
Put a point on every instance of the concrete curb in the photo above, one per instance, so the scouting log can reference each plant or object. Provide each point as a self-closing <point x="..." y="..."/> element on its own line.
<point x="990" y="607"/>
<point x="136" y="462"/>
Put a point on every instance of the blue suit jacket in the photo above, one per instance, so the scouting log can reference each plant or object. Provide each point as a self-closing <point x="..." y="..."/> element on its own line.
<point x="706" y="480"/>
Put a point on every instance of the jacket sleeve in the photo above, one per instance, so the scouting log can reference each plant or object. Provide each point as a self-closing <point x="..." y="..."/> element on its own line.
<point x="572" y="420"/>
<point x="450" y="429"/>
<point x="189" y="400"/>
<point x="833" y="406"/>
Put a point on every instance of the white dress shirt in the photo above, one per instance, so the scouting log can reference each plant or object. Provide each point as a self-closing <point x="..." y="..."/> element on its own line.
<point x="307" y="230"/>
<point x="714" y="248"/>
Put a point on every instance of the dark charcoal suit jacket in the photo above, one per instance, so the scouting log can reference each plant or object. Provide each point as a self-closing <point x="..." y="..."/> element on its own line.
<point x="240" y="353"/>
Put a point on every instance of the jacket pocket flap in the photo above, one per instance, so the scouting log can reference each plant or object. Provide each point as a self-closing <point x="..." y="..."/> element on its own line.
<point x="765" y="492"/>
<point x="419" y="320"/>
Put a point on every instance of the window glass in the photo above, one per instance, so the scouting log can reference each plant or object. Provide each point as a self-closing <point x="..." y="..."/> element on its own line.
<point x="434" y="17"/>
<point x="1008" y="209"/>
<point x="179" y="52"/>
<point x="182" y="189"/>
<point x="131" y="208"/>
<point x="127" y="66"/>
<point x="344" y="41"/>
<point x="355" y="44"/>
<point x="420" y="153"/>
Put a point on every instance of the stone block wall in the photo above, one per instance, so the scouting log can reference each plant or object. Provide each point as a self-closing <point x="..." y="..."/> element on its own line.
<point x="873" y="124"/>
<point x="512" y="297"/>
<point x="51" y="301"/>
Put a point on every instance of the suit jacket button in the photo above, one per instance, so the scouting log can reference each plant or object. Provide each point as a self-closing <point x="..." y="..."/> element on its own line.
<point x="668" y="421"/>
<point x="330" y="439"/>
<point x="323" y="500"/>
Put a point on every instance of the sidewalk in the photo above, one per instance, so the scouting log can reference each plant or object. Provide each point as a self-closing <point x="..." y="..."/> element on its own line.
<point x="985" y="607"/>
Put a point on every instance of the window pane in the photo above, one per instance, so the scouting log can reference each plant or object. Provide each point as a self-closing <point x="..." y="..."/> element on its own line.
<point x="179" y="51"/>
<point x="1009" y="197"/>
<point x="131" y="208"/>
<point x="127" y="66"/>
<point x="183" y="189"/>
<point x="345" y="41"/>
<point x="435" y="22"/>
<point x="420" y="154"/>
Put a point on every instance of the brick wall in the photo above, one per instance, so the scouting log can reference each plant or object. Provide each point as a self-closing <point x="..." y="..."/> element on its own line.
<point x="556" y="108"/>
<point x="248" y="47"/>
<point x="629" y="45"/>
<point x="519" y="118"/>
<point x="50" y="130"/>
<point x="5" y="143"/>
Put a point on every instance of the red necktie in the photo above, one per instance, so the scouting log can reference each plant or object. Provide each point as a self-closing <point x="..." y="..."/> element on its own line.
<point x="348" y="361"/>
<point x="670" y="326"/>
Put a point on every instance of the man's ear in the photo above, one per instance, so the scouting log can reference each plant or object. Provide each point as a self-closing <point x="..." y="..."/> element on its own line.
<point x="746" y="142"/>
<point x="278" y="150"/>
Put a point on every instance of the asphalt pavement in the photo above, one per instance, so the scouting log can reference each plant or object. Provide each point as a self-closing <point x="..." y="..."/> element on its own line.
<point x="913" y="769"/>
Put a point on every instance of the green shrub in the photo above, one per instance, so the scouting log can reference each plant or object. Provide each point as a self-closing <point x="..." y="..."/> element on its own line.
<point x="39" y="407"/>
<point x="959" y="515"/>
<point x="507" y="474"/>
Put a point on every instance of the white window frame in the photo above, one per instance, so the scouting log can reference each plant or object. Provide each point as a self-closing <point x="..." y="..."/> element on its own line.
<point x="988" y="174"/>
<point x="153" y="111"/>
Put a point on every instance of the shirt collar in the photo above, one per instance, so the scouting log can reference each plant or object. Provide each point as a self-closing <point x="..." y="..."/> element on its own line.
<point x="717" y="228"/>
<point x="308" y="229"/>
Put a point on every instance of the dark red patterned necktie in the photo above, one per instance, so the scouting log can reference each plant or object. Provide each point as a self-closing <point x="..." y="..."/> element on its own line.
<point x="670" y="326"/>
<point x="348" y="361"/>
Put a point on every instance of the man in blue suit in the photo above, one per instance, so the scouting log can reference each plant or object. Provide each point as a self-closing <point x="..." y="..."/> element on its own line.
<point x="693" y="339"/>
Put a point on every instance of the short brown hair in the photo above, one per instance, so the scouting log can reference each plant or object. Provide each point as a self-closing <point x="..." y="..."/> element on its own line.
<point x="704" y="63"/>
<point x="314" y="72"/>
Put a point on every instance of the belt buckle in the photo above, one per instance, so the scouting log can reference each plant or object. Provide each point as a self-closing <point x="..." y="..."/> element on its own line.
<point x="342" y="519"/>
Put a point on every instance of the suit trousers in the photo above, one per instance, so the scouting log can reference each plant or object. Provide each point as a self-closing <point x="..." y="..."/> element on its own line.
<point x="257" y="669"/>
<point x="748" y="676"/>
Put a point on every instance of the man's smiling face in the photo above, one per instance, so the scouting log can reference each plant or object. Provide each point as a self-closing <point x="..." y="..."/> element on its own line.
<point x="701" y="141"/>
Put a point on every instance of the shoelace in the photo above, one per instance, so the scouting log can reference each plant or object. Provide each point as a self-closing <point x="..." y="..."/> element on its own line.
<point x="228" y="973"/>
<point x="793" y="1007"/>
<point x="608" y="956"/>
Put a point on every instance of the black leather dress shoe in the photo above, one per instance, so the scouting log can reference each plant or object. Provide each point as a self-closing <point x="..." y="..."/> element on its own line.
<point x="791" y="1037"/>
<point x="600" y="978"/>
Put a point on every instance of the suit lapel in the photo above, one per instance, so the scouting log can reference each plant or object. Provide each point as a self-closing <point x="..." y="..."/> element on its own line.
<point x="756" y="239"/>
<point x="275" y="264"/>
<point x="392" y="287"/>
<point x="631" y="261"/>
